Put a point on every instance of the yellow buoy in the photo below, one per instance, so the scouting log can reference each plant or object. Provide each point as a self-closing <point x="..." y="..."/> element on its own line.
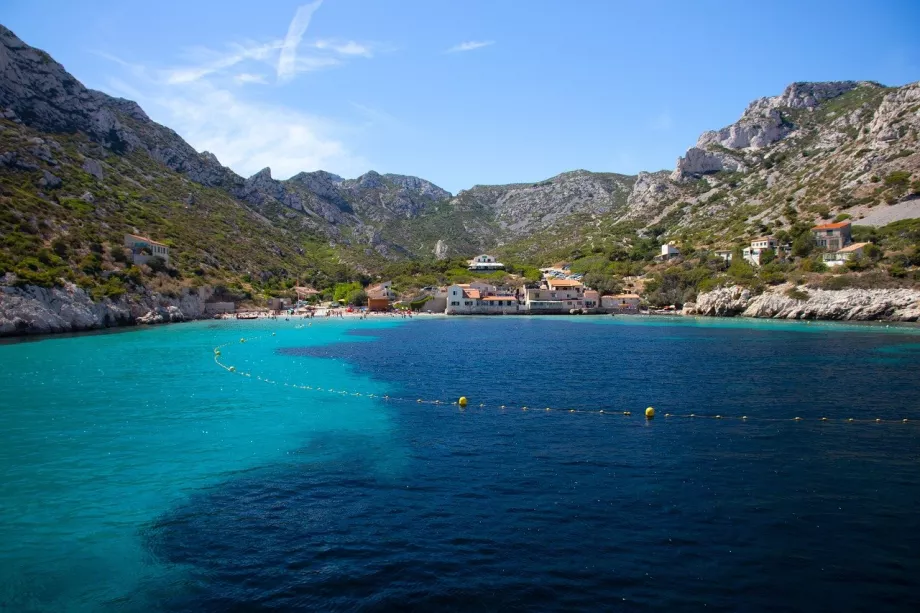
<point x="462" y="401"/>
<point x="650" y="412"/>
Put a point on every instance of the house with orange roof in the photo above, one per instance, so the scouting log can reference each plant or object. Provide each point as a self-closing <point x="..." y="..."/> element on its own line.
<point x="622" y="303"/>
<point x="555" y="296"/>
<point x="842" y="256"/>
<point x="833" y="236"/>
<point x="467" y="300"/>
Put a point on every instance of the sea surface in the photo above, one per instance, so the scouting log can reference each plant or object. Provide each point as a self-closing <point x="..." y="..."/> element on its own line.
<point x="138" y="472"/>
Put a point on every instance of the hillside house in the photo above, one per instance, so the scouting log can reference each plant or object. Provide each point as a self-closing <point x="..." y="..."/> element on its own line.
<point x="758" y="246"/>
<point x="833" y="236"/>
<point x="143" y="249"/>
<point x="842" y="256"/>
<point x="669" y="251"/>
<point x="592" y="299"/>
<point x="485" y="262"/>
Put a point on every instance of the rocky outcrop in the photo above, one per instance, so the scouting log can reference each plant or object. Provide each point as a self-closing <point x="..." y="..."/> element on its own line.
<point x="847" y="304"/>
<point x="698" y="162"/>
<point x="440" y="250"/>
<point x="39" y="310"/>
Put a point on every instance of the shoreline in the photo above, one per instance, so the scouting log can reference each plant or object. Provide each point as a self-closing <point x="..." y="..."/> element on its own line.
<point x="43" y="312"/>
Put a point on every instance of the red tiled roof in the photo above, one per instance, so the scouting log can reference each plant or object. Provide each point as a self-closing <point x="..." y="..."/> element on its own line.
<point x="832" y="226"/>
<point x="471" y="293"/>
<point x="563" y="283"/>
<point x="492" y="298"/>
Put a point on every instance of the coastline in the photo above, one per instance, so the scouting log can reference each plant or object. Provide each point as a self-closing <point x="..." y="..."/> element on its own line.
<point x="37" y="311"/>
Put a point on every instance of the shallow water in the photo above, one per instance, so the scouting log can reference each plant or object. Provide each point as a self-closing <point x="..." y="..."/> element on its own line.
<point x="137" y="475"/>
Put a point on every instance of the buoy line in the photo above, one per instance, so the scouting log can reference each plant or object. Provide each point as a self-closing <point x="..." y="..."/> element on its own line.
<point x="464" y="403"/>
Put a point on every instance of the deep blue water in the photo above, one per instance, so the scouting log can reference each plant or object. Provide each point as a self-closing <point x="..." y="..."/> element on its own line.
<point x="364" y="504"/>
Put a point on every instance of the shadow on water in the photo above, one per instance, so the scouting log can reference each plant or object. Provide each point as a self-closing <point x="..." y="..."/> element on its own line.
<point x="511" y="510"/>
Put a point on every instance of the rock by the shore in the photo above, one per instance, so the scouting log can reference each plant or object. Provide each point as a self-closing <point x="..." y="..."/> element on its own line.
<point x="40" y="310"/>
<point x="844" y="305"/>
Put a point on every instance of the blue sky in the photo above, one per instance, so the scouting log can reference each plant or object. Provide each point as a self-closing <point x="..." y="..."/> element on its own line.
<point x="461" y="92"/>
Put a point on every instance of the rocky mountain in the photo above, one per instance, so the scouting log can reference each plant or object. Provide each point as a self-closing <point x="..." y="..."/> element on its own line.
<point x="812" y="152"/>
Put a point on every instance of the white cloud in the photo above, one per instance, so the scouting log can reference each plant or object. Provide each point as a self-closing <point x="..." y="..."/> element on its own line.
<point x="211" y="62"/>
<point x="248" y="136"/>
<point x="345" y="48"/>
<point x="287" y="60"/>
<point x="248" y="77"/>
<point x="470" y="45"/>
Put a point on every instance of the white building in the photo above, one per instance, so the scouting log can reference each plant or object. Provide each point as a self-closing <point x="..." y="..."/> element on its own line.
<point x="622" y="303"/>
<point x="725" y="254"/>
<point x="142" y="249"/>
<point x="758" y="246"/>
<point x="669" y="251"/>
<point x="841" y="256"/>
<point x="485" y="262"/>
<point x="554" y="296"/>
<point x="466" y="300"/>
<point x="382" y="290"/>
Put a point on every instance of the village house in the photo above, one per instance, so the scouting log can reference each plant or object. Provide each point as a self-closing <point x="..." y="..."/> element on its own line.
<point x="621" y="303"/>
<point x="305" y="293"/>
<point x="758" y="246"/>
<point x="842" y="256"/>
<point x="592" y="299"/>
<point x="467" y="300"/>
<point x="725" y="254"/>
<point x="669" y="251"/>
<point x="142" y="249"/>
<point x="554" y="296"/>
<point x="485" y="262"/>
<point x="833" y="236"/>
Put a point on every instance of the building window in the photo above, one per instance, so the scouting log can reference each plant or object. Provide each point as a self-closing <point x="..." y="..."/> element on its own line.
<point x="467" y="303"/>
<point x="454" y="303"/>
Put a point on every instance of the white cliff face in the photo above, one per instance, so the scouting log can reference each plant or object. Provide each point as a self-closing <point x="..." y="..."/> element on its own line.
<point x="846" y="305"/>
<point x="898" y="116"/>
<point x="699" y="162"/>
<point x="39" y="310"/>
<point x="761" y="125"/>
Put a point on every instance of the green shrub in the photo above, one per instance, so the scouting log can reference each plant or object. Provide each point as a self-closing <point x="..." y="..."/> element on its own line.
<point x="797" y="294"/>
<point x="842" y="217"/>
<point x="899" y="178"/>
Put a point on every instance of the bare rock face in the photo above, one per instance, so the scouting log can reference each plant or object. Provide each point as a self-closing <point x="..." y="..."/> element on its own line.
<point x="698" y="162"/>
<point x="846" y="305"/>
<point x="440" y="250"/>
<point x="898" y="116"/>
<point x="38" y="310"/>
<point x="49" y="180"/>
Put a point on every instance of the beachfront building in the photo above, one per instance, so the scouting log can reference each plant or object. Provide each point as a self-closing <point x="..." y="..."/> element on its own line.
<point x="485" y="262"/>
<point x="305" y="293"/>
<point x="554" y="296"/>
<point x="621" y="303"/>
<point x="833" y="236"/>
<point x="466" y="300"/>
<point x="669" y="251"/>
<point x="758" y="246"/>
<point x="383" y="289"/>
<point x="842" y="256"/>
<point x="592" y="299"/>
<point x="143" y="249"/>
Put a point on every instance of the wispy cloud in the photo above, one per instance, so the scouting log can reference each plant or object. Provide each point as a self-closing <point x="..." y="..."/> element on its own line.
<point x="470" y="45"/>
<point x="287" y="61"/>
<point x="345" y="47"/>
<point x="248" y="77"/>
<point x="204" y="98"/>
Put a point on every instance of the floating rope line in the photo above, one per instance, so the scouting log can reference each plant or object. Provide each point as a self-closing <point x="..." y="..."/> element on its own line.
<point x="462" y="403"/>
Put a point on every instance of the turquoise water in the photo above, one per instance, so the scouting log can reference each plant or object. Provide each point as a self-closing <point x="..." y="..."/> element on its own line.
<point x="102" y="433"/>
<point x="136" y="475"/>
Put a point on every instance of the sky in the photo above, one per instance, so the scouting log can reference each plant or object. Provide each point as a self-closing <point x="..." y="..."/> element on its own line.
<point x="461" y="92"/>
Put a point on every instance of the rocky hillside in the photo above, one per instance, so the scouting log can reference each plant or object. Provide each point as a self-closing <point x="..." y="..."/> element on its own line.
<point x="815" y="151"/>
